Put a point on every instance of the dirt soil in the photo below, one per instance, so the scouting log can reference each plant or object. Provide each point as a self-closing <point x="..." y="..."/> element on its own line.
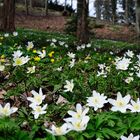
<point x="51" y="22"/>
<point x="56" y="23"/>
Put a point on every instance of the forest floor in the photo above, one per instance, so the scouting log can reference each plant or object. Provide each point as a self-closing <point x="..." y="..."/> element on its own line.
<point x="56" y="23"/>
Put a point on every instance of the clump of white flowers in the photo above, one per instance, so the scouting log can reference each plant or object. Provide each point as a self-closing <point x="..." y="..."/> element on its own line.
<point x="71" y="55"/>
<point x="130" y="137"/>
<point x="31" y="69"/>
<point x="129" y="54"/>
<point x="121" y="103"/>
<point x="36" y="102"/>
<point x="15" y="33"/>
<point x="69" y="86"/>
<point x="42" y="53"/>
<point x="57" y="131"/>
<point x="78" y="120"/>
<point x="97" y="100"/>
<point x="18" y="59"/>
<point x="30" y="45"/>
<point x="7" y="110"/>
<point x="135" y="106"/>
<point x="129" y="79"/>
<point x="102" y="70"/>
<point x="122" y="63"/>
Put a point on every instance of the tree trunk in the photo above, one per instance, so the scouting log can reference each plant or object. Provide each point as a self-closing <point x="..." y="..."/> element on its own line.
<point x="82" y="23"/>
<point x="8" y="16"/>
<point x="31" y="4"/>
<point x="126" y="11"/>
<point x="46" y="7"/>
<point x="71" y="3"/>
<point x="114" y="8"/>
<point x="138" y="16"/>
<point x="98" y="7"/>
<point x="65" y="9"/>
<point x="26" y="6"/>
<point x="106" y="13"/>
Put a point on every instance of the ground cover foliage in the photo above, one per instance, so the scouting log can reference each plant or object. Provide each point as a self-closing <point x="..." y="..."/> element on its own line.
<point x="49" y="81"/>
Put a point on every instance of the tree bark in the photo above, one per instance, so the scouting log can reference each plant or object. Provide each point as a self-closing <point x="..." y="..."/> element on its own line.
<point x="8" y="16"/>
<point x="26" y="6"/>
<point x="98" y="7"/>
<point x="126" y="11"/>
<point x="106" y="13"/>
<point x="46" y="7"/>
<point x="114" y="8"/>
<point x="138" y="16"/>
<point x="31" y="4"/>
<point x="65" y="5"/>
<point x="82" y="23"/>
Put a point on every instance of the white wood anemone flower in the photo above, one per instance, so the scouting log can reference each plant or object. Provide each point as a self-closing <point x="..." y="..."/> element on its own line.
<point x="17" y="54"/>
<point x="78" y="124"/>
<point x="72" y="63"/>
<point x="57" y="131"/>
<point x="130" y="137"/>
<point x="71" y="55"/>
<point x="42" y="53"/>
<point x="97" y="100"/>
<point x="79" y="113"/>
<point x="69" y="86"/>
<point x="2" y="67"/>
<point x="123" y="64"/>
<point x="7" y="110"/>
<point x="31" y="69"/>
<point x="37" y="99"/>
<point x="121" y="103"/>
<point x="135" y="106"/>
<point x="129" y="54"/>
<point x="15" y="33"/>
<point x="38" y="110"/>
<point x="30" y="45"/>
<point x="19" y="61"/>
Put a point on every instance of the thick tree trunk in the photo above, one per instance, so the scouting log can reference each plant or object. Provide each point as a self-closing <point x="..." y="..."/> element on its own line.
<point x="82" y="23"/>
<point x="138" y="16"/>
<point x="8" y="16"/>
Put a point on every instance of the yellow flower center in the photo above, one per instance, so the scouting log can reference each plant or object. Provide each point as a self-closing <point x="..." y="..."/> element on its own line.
<point x="77" y="125"/>
<point x="137" y="107"/>
<point x="18" y="61"/>
<point x="38" y="109"/>
<point x="58" y="131"/>
<point x="5" y="111"/>
<point x="38" y="99"/>
<point x="120" y="103"/>
<point x="95" y="100"/>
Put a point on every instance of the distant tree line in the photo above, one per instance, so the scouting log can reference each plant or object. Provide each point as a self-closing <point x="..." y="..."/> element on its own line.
<point x="105" y="9"/>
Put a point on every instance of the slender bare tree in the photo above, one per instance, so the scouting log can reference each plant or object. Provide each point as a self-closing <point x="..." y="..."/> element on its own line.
<point x="27" y="7"/>
<point x="46" y="7"/>
<point x="138" y="16"/>
<point x="98" y="8"/>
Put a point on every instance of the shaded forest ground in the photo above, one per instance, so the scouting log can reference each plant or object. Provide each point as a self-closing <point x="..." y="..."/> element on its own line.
<point x="55" y="22"/>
